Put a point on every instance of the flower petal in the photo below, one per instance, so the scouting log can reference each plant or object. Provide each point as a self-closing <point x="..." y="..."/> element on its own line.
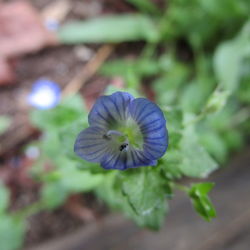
<point x="91" y="144"/>
<point x="121" y="101"/>
<point x="110" y="109"/>
<point x="127" y="159"/>
<point x="152" y="125"/>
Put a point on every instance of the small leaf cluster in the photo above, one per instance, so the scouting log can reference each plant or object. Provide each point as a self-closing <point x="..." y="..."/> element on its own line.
<point x="202" y="204"/>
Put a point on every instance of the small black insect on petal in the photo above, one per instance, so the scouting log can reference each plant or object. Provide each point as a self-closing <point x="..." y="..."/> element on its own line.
<point x="123" y="146"/>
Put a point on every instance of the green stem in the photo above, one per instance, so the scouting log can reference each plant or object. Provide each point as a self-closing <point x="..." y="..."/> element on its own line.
<point x="198" y="118"/>
<point x="180" y="187"/>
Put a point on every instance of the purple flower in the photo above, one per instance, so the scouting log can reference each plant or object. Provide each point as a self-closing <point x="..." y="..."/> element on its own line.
<point x="124" y="133"/>
<point x="45" y="94"/>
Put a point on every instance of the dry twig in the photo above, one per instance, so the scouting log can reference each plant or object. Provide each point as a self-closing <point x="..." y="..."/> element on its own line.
<point x="88" y="71"/>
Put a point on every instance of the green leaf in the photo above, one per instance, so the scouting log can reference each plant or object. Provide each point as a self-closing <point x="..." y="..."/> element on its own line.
<point x="227" y="64"/>
<point x="202" y="204"/>
<point x="4" y="198"/>
<point x="189" y="19"/>
<point x="142" y="67"/>
<point x="68" y="179"/>
<point x="172" y="158"/>
<point x="12" y="233"/>
<point x="76" y="180"/>
<point x="203" y="86"/>
<point x="145" y="192"/>
<point x="50" y="145"/>
<point x="4" y="123"/>
<point x="110" y="29"/>
<point x="53" y="195"/>
<point x="200" y="189"/>
<point x="228" y="59"/>
<point x="174" y="75"/>
<point x="146" y="6"/>
<point x="174" y="117"/>
<point x="110" y="192"/>
<point x="68" y="134"/>
<point x="196" y="161"/>
<point x="214" y="144"/>
<point x="170" y="164"/>
<point x="152" y="220"/>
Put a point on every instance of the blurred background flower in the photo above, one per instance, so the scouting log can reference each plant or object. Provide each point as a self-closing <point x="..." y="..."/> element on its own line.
<point x="45" y="94"/>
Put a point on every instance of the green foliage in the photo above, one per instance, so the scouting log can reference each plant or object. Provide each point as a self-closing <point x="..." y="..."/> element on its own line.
<point x="112" y="29"/>
<point x="125" y="191"/>
<point x="11" y="232"/>
<point x="200" y="76"/>
<point x="70" y="174"/>
<point x="229" y="57"/>
<point x="67" y="180"/>
<point x="142" y="68"/>
<point x="215" y="144"/>
<point x="199" y="110"/>
<point x="146" y="6"/>
<point x="53" y="195"/>
<point x="69" y="110"/>
<point x="12" y="229"/>
<point x="150" y="206"/>
<point x="202" y="204"/>
<point x="196" y="161"/>
<point x="189" y="19"/>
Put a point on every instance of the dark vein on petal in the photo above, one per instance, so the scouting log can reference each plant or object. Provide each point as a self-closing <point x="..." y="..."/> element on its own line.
<point x="124" y="106"/>
<point x="147" y="114"/>
<point x="111" y="159"/>
<point x="109" y="114"/>
<point x="100" y="152"/>
<point x="150" y="123"/>
<point x="142" y="110"/>
<point x="116" y="161"/>
<point x="154" y="129"/>
<point x="152" y="148"/>
<point x="125" y="161"/>
<point x="99" y="114"/>
<point x="140" y="159"/>
<point x="155" y="143"/>
<point x="116" y="107"/>
<point x="154" y="138"/>
<point x="152" y="156"/>
<point x="90" y="146"/>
